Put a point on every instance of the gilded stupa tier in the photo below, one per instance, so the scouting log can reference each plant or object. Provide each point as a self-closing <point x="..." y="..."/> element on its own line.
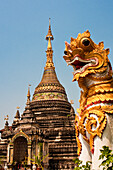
<point x="49" y="88"/>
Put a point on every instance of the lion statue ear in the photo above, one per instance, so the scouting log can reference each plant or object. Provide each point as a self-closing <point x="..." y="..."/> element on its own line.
<point x="107" y="51"/>
<point x="101" y="45"/>
<point x="72" y="39"/>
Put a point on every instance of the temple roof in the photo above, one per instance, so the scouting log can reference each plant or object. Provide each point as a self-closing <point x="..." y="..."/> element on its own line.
<point x="49" y="88"/>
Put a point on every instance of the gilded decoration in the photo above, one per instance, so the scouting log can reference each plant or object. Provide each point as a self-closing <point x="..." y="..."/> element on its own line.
<point x="93" y="71"/>
<point x="49" y="87"/>
<point x="21" y="133"/>
<point x="49" y="96"/>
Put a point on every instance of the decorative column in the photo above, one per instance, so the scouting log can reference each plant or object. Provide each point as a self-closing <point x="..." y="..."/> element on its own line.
<point x="8" y="151"/>
<point x="11" y="153"/>
<point x="29" y="154"/>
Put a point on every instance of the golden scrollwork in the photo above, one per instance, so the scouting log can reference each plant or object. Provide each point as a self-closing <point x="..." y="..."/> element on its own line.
<point x="94" y="122"/>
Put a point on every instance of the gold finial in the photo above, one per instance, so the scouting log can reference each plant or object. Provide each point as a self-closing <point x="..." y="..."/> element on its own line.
<point x="28" y="94"/>
<point x="71" y="101"/>
<point x="49" y="21"/>
<point x="49" y="35"/>
<point x="18" y="107"/>
<point x="6" y="117"/>
<point x="49" y="52"/>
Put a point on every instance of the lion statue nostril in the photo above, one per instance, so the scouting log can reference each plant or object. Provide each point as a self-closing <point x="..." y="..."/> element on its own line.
<point x="65" y="52"/>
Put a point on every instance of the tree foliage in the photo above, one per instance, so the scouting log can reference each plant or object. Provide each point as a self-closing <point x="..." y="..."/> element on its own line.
<point x="107" y="157"/>
<point x="79" y="165"/>
<point x="107" y="160"/>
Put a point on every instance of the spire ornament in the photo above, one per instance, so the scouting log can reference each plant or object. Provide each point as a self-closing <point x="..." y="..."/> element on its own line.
<point x="28" y="94"/>
<point x="49" y="35"/>
<point x="17" y="113"/>
<point x="49" y="52"/>
<point x="6" y="118"/>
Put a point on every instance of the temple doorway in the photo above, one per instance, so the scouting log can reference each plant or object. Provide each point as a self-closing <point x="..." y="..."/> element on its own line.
<point x="20" y="150"/>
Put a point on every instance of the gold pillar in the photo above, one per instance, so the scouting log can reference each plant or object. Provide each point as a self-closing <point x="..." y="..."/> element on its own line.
<point x="8" y="151"/>
<point x="11" y="153"/>
<point x="29" y="154"/>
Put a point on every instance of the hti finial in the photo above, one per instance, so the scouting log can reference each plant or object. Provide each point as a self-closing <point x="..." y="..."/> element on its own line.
<point x="49" y="52"/>
<point x="49" y="35"/>
<point x="49" y="21"/>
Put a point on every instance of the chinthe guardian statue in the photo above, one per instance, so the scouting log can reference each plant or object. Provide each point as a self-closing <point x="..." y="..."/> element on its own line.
<point x="92" y="70"/>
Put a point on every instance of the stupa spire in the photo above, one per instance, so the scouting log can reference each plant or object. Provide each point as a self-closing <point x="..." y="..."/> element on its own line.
<point x="49" y="88"/>
<point x="49" y="52"/>
<point x="49" y="35"/>
<point x="17" y="113"/>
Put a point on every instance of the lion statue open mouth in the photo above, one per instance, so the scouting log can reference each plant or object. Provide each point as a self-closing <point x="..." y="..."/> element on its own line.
<point x="93" y="72"/>
<point x="85" y="56"/>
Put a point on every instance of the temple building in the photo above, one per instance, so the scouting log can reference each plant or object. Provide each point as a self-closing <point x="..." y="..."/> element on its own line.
<point x="46" y="126"/>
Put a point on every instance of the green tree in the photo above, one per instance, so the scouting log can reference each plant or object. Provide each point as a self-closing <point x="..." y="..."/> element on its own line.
<point x="107" y="157"/>
<point x="38" y="160"/>
<point x="107" y="160"/>
<point x="78" y="164"/>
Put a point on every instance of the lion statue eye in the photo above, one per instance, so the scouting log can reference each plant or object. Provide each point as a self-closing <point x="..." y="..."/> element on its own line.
<point x="86" y="42"/>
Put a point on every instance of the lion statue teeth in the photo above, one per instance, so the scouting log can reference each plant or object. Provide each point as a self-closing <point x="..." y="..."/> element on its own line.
<point x="93" y="71"/>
